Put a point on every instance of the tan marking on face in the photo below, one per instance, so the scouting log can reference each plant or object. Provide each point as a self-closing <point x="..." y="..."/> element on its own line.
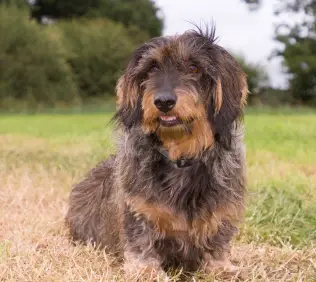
<point x="244" y="90"/>
<point x="218" y="96"/>
<point x="119" y="91"/>
<point x="126" y="93"/>
<point x="185" y="140"/>
<point x="170" y="223"/>
<point x="150" y="113"/>
<point x="188" y="144"/>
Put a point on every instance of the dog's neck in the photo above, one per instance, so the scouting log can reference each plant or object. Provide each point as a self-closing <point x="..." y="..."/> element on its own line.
<point x="188" y="144"/>
<point x="180" y="163"/>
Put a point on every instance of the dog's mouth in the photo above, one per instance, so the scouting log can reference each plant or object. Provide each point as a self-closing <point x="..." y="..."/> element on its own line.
<point x="169" y="121"/>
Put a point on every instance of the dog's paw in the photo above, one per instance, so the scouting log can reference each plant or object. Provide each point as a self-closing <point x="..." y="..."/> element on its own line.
<point x="216" y="266"/>
<point x="144" y="270"/>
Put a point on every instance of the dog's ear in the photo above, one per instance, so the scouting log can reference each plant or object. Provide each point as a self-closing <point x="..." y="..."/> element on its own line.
<point x="228" y="98"/>
<point x="128" y="91"/>
<point x="129" y="88"/>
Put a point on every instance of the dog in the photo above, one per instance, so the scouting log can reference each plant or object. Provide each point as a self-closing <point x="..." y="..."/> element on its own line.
<point x="173" y="194"/>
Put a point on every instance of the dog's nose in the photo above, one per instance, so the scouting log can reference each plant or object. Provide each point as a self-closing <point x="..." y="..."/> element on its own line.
<point x="165" y="102"/>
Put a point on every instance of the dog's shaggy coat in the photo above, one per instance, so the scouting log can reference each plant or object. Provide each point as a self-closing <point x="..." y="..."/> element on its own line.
<point x="141" y="203"/>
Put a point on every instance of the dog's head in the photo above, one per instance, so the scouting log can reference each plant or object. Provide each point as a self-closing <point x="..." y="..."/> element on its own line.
<point x="182" y="85"/>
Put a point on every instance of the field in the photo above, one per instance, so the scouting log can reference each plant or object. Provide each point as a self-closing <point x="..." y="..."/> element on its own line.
<point x="42" y="156"/>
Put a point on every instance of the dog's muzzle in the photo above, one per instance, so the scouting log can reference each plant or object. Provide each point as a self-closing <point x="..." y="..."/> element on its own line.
<point x="165" y="101"/>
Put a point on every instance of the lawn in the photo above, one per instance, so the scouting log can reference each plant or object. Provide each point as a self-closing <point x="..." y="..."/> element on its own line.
<point x="42" y="156"/>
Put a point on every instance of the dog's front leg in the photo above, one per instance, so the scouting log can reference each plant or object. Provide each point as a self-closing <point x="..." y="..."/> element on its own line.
<point x="218" y="260"/>
<point x="140" y="258"/>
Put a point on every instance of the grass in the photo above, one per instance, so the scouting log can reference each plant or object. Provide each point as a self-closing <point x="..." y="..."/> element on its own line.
<point x="42" y="156"/>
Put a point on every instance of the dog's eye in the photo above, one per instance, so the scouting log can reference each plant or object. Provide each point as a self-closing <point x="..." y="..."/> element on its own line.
<point x="155" y="67"/>
<point x="194" y="69"/>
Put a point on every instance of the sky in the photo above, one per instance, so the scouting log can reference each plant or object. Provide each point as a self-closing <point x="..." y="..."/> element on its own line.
<point x="239" y="30"/>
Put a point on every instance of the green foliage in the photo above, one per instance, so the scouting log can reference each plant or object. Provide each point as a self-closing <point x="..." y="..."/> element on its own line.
<point x="98" y="51"/>
<point x="16" y="3"/>
<point x="32" y="66"/>
<point x="272" y="97"/>
<point x="299" y="52"/>
<point x="300" y="60"/>
<point x="61" y="63"/>
<point x="59" y="9"/>
<point x="139" y="13"/>
<point x="142" y="14"/>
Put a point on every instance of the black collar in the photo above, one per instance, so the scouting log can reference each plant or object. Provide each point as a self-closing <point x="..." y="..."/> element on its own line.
<point x="180" y="163"/>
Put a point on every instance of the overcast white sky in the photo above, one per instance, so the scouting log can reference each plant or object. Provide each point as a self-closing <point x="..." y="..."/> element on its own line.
<point x="241" y="31"/>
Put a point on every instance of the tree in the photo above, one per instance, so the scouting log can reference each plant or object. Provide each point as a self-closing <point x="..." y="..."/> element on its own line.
<point x="59" y="8"/>
<point x="142" y="14"/>
<point x="299" y="52"/>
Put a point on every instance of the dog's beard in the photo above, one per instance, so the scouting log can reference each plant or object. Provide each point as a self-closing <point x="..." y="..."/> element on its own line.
<point x="174" y="132"/>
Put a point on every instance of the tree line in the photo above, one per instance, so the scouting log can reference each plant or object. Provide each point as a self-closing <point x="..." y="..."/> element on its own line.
<point x="78" y="58"/>
<point x="83" y="53"/>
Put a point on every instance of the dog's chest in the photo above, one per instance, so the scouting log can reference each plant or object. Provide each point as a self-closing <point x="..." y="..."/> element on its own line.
<point x="169" y="223"/>
<point x="188" y="203"/>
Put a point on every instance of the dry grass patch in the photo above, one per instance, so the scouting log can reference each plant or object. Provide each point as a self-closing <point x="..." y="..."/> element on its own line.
<point x="35" y="245"/>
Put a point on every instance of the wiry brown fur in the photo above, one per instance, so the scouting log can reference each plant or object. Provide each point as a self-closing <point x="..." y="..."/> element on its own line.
<point x="137" y="203"/>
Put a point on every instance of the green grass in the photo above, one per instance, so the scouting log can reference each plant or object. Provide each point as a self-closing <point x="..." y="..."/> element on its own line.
<point x="43" y="155"/>
<point x="281" y="156"/>
<point x="55" y="126"/>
